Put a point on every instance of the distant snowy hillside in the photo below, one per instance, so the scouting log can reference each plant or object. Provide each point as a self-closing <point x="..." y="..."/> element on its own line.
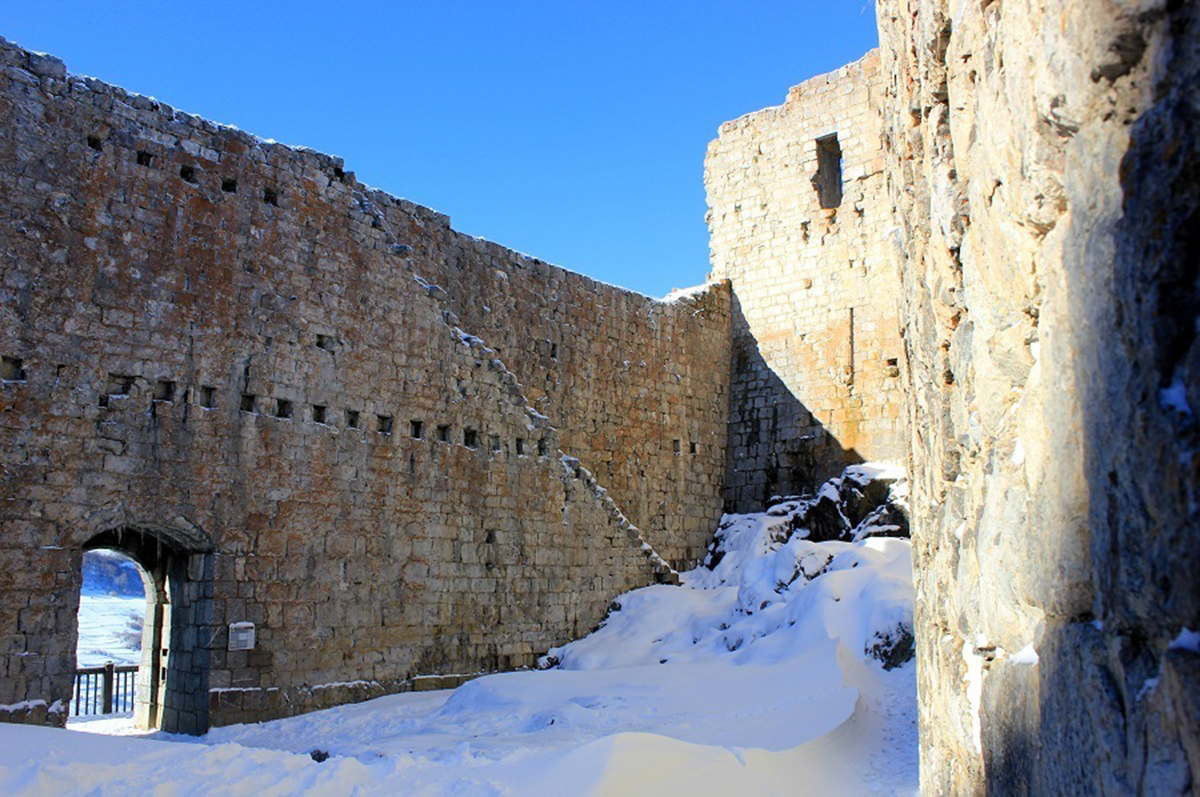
<point x="783" y="666"/>
<point x="112" y="605"/>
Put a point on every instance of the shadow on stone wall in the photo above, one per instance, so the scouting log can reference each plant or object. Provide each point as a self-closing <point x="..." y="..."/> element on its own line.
<point x="776" y="445"/>
<point x="1113" y="707"/>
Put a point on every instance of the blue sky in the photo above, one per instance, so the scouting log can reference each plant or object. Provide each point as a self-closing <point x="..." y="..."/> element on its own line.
<point x="574" y="131"/>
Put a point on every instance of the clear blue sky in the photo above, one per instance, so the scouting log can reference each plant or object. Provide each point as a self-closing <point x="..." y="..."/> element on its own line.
<point x="574" y="131"/>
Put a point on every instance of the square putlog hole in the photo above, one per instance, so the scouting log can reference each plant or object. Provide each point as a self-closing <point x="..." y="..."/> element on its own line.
<point x="247" y="403"/>
<point x="283" y="408"/>
<point x="95" y="143"/>
<point x="319" y="412"/>
<point x="383" y="424"/>
<point x="144" y="158"/>
<point x="164" y="390"/>
<point x="12" y="369"/>
<point x="208" y="397"/>
<point x="229" y="185"/>
<point x="188" y="173"/>
<point x="271" y="196"/>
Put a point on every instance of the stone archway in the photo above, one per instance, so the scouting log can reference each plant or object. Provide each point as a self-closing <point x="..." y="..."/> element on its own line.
<point x="172" y="690"/>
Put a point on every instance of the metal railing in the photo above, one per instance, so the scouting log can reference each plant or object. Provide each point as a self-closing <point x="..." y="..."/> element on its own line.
<point x="107" y="689"/>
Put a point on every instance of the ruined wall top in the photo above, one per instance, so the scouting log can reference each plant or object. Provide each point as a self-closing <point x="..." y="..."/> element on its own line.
<point x="798" y="222"/>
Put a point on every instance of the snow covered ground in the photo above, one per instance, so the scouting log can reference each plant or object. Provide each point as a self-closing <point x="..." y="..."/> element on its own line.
<point x="762" y="675"/>
<point x="110" y="629"/>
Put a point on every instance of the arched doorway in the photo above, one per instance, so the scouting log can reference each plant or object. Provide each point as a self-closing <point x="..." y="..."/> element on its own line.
<point x="172" y="684"/>
<point x="108" y="652"/>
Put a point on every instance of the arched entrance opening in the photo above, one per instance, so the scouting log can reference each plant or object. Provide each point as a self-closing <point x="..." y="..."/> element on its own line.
<point x="171" y="691"/>
<point x="108" y="653"/>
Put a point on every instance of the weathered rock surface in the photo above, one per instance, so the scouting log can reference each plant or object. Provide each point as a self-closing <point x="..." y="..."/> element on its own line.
<point x="1042" y="157"/>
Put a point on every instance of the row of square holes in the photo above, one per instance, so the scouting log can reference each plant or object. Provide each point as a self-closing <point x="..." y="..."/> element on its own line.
<point x="119" y="386"/>
<point x="228" y="184"/>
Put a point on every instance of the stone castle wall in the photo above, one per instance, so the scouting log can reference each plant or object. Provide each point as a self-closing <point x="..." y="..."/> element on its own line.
<point x="1043" y="160"/>
<point x="818" y="365"/>
<point x="232" y="350"/>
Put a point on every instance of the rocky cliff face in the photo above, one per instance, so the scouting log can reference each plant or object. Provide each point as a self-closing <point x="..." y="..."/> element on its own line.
<point x="1042" y="158"/>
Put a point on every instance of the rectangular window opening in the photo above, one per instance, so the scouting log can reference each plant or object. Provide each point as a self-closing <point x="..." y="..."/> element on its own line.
<point x="443" y="434"/>
<point x="164" y="390"/>
<point x="543" y="447"/>
<point x="693" y="447"/>
<point x="470" y="438"/>
<point x="229" y="185"/>
<point x="247" y="403"/>
<point x="94" y="143"/>
<point x="416" y="429"/>
<point x="494" y="443"/>
<point x="553" y="351"/>
<point x="325" y="342"/>
<point x="520" y="446"/>
<point x="828" y="179"/>
<point x="383" y="423"/>
<point x="352" y="418"/>
<point x="283" y="408"/>
<point x="208" y="397"/>
<point x="12" y="369"/>
<point x="318" y="413"/>
<point x="188" y="173"/>
<point x="675" y="446"/>
<point x="271" y="196"/>
<point x="144" y="158"/>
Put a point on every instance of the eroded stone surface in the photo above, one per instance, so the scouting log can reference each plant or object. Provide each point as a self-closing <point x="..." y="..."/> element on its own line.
<point x="1042" y="160"/>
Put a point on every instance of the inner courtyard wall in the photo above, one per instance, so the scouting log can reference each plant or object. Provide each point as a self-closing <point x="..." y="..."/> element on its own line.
<point x="232" y="347"/>
<point x="817" y="372"/>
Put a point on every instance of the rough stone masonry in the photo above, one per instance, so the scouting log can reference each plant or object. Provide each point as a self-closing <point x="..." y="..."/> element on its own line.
<point x="396" y="450"/>
<point x="976" y="250"/>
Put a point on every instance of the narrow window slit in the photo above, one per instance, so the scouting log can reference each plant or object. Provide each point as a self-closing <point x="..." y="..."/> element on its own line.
<point x="543" y="447"/>
<point x="828" y="179"/>
<point x="470" y="438"/>
<point x="675" y="446"/>
<point x="520" y="446"/>
<point x="693" y="447"/>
